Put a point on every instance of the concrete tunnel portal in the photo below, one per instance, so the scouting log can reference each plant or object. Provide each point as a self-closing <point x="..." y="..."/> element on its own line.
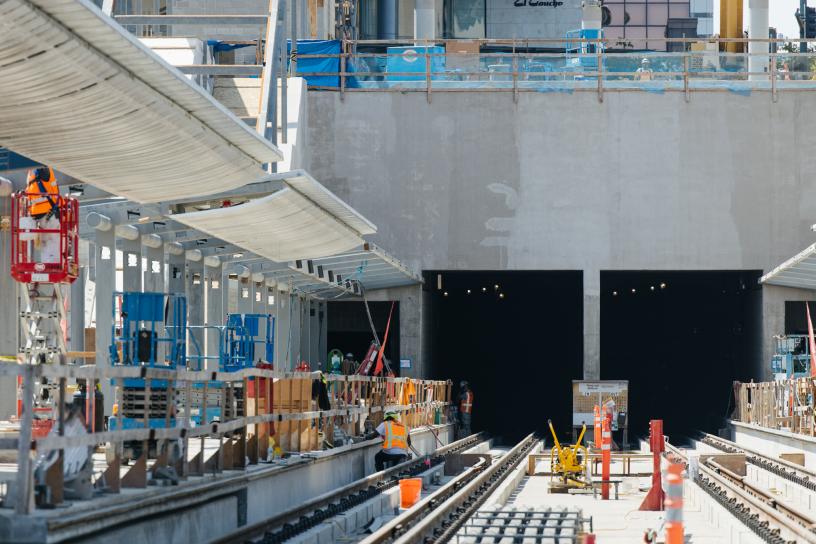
<point x="679" y="337"/>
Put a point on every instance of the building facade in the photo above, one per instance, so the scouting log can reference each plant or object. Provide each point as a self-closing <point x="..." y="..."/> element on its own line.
<point x="703" y="10"/>
<point x="632" y="21"/>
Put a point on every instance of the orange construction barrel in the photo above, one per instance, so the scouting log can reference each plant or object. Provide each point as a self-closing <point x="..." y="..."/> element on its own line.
<point x="410" y="488"/>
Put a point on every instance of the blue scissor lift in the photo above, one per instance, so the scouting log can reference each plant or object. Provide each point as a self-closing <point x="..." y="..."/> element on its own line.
<point x="245" y="341"/>
<point x="149" y="330"/>
<point x="791" y="358"/>
<point x="582" y="56"/>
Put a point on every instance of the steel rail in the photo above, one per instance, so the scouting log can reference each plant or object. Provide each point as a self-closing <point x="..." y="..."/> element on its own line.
<point x="782" y="468"/>
<point x="765" y="520"/>
<point x="423" y="507"/>
<point x="767" y="497"/>
<point x="303" y="517"/>
<point x="771" y="522"/>
<point x="438" y="522"/>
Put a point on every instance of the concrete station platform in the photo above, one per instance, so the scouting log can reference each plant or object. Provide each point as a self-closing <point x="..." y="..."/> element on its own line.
<point x="773" y="442"/>
<point x="202" y="508"/>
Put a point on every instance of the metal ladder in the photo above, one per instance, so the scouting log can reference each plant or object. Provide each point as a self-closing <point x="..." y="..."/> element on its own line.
<point x="42" y="310"/>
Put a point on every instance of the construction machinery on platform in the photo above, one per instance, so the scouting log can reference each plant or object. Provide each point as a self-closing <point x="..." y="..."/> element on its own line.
<point x="149" y="330"/>
<point x="570" y="464"/>
<point x="44" y="259"/>
<point x="791" y="357"/>
<point x="244" y="341"/>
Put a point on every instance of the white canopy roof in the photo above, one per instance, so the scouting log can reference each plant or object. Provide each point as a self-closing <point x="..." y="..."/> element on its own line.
<point x="798" y="271"/>
<point x="302" y="221"/>
<point x="369" y="265"/>
<point x="79" y="93"/>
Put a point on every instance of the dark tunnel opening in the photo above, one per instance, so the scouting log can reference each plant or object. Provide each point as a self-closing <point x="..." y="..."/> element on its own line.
<point x="517" y="337"/>
<point x="681" y="339"/>
<point x="349" y="329"/>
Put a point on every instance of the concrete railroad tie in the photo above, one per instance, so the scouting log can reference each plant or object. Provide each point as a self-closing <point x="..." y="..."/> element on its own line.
<point x="503" y="524"/>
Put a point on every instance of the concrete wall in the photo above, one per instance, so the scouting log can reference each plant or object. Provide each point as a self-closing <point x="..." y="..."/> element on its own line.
<point x="562" y="182"/>
<point x="220" y="32"/>
<point x="773" y="312"/>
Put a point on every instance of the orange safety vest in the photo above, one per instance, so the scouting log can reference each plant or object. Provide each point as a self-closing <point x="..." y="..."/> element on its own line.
<point x="466" y="404"/>
<point x="395" y="436"/>
<point x="41" y="202"/>
<point x="408" y="393"/>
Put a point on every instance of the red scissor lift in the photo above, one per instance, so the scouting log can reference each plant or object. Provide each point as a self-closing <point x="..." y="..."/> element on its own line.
<point x="25" y="231"/>
<point x="40" y="274"/>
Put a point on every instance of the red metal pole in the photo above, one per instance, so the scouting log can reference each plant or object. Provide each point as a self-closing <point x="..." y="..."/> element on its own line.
<point x="654" y="499"/>
<point x="606" y="457"/>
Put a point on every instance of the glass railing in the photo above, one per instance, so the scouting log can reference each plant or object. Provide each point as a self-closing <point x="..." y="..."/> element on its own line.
<point x="529" y="66"/>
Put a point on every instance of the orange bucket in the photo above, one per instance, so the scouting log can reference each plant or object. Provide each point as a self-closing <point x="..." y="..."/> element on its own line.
<point x="410" y="488"/>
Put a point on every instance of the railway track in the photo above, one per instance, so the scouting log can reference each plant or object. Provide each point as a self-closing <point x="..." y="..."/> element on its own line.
<point x="784" y="469"/>
<point x="297" y="520"/>
<point x="439" y="516"/>
<point x="772" y="520"/>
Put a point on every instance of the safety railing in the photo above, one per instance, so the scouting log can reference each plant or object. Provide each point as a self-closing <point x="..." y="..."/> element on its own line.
<point x="263" y="414"/>
<point x="778" y="405"/>
<point x="516" y="66"/>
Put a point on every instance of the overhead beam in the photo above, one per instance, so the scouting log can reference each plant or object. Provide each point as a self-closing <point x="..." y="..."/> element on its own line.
<point x="191" y="19"/>
<point x="234" y="70"/>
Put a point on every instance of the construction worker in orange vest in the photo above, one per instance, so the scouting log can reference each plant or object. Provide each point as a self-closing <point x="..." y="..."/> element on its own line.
<point x="465" y="408"/>
<point x="396" y="442"/>
<point x="44" y="203"/>
<point x="43" y="192"/>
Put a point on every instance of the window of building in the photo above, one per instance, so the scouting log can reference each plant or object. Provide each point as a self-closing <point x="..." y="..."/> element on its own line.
<point x="634" y="22"/>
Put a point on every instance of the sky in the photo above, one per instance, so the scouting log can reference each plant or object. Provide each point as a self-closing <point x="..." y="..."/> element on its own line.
<point x="781" y="16"/>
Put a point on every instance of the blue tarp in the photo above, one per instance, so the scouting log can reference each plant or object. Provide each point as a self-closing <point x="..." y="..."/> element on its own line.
<point x="218" y="45"/>
<point x="310" y="65"/>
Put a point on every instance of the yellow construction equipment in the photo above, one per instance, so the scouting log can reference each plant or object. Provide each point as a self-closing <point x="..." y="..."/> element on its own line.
<point x="570" y="464"/>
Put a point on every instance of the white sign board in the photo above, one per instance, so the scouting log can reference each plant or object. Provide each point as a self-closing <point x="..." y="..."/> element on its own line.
<point x="589" y="388"/>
